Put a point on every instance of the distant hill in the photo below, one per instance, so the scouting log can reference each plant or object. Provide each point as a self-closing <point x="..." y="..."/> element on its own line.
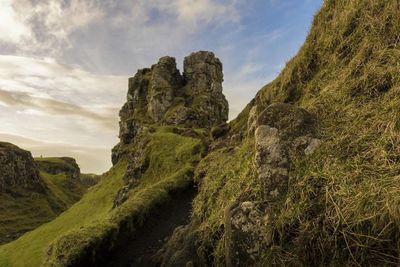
<point x="34" y="191"/>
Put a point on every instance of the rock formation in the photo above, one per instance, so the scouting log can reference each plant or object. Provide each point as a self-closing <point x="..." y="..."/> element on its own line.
<point x="161" y="95"/>
<point x="244" y="232"/>
<point x="18" y="169"/>
<point x="281" y="131"/>
<point x="60" y="165"/>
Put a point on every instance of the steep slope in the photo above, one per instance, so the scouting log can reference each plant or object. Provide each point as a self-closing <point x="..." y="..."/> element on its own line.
<point x="62" y="176"/>
<point x="307" y="175"/>
<point x="164" y="131"/>
<point x="32" y="193"/>
<point x="315" y="181"/>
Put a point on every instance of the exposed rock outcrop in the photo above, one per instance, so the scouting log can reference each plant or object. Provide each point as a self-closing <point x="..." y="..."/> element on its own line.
<point x="203" y="77"/>
<point x="271" y="161"/>
<point x="281" y="130"/>
<point x="60" y="165"/>
<point x="138" y="164"/>
<point x="18" y="169"/>
<point x="164" y="85"/>
<point x="244" y="234"/>
<point x="161" y="95"/>
<point x="180" y="249"/>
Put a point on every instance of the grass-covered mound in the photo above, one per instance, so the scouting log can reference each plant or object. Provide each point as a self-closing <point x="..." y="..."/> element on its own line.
<point x="92" y="225"/>
<point x="23" y="209"/>
<point x="62" y="176"/>
<point x="343" y="203"/>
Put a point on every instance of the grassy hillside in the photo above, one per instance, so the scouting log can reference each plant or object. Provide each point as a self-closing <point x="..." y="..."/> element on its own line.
<point x="92" y="220"/>
<point x="343" y="203"/>
<point x="22" y="210"/>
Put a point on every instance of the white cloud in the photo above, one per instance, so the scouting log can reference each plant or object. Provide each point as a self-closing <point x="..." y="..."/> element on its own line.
<point x="63" y="97"/>
<point x="53" y="102"/>
<point x="41" y="106"/>
<point x="11" y="28"/>
<point x="45" y="26"/>
<point x="49" y="79"/>
<point x="199" y="12"/>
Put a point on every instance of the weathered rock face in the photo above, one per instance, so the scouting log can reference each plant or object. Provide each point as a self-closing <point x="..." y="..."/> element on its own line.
<point x="61" y="165"/>
<point x="203" y="76"/>
<point x="138" y="164"/>
<point x="18" y="169"/>
<point x="161" y="95"/>
<point x="244" y="234"/>
<point x="281" y="130"/>
<point x="271" y="161"/>
<point x="180" y="249"/>
<point x="291" y="121"/>
<point x="165" y="83"/>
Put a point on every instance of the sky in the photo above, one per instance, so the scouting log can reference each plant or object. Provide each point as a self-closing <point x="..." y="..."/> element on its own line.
<point x="64" y="64"/>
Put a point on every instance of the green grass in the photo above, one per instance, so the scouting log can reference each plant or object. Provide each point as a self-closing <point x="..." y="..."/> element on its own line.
<point x="227" y="174"/>
<point x="94" y="206"/>
<point x="61" y="189"/>
<point x="49" y="159"/>
<point x="92" y="221"/>
<point x="23" y="210"/>
<point x="23" y="213"/>
<point x="342" y="207"/>
<point x="172" y="160"/>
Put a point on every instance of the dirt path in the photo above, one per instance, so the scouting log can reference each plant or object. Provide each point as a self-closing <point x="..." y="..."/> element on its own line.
<point x="138" y="251"/>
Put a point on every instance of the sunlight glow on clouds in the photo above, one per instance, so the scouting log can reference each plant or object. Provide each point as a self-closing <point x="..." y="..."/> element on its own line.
<point x="48" y="78"/>
<point x="47" y="24"/>
<point x="64" y="64"/>
<point x="11" y="29"/>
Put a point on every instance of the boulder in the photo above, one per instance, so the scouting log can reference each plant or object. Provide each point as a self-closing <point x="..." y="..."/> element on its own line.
<point x="280" y="131"/>
<point x="291" y="121"/>
<point x="244" y="235"/>
<point x="271" y="161"/>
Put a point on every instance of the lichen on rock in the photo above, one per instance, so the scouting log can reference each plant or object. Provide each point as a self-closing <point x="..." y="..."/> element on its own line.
<point x="271" y="161"/>
<point x="244" y="237"/>
<point x="280" y="131"/>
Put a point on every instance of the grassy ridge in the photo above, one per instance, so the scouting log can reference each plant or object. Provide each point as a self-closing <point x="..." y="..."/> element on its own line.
<point x="23" y="210"/>
<point x="30" y="248"/>
<point x="89" y="224"/>
<point x="342" y="206"/>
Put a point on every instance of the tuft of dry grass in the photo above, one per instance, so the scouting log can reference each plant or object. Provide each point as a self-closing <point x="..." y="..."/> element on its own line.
<point x="343" y="205"/>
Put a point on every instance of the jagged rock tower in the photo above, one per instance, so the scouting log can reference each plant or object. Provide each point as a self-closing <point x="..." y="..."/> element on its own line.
<point x="162" y="95"/>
